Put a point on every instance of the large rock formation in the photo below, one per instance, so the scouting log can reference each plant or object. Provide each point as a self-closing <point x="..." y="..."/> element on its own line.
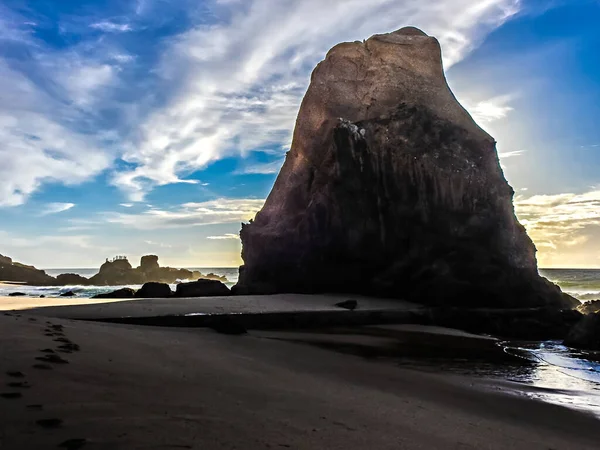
<point x="14" y="271"/>
<point x="391" y="188"/>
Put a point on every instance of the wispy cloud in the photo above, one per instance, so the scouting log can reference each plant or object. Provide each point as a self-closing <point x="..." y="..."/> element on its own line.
<point x="55" y="208"/>
<point x="190" y="214"/>
<point x="221" y="87"/>
<point x="504" y="155"/>
<point x="112" y="27"/>
<point x="260" y="168"/>
<point x="235" y="85"/>
<point x="224" y="237"/>
<point x="490" y="110"/>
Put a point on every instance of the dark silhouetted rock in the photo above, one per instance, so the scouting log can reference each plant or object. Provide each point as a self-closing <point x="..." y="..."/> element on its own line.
<point x="590" y="307"/>
<point x="71" y="279"/>
<point x="120" y="293"/>
<point x="119" y="272"/>
<point x="149" y="263"/>
<point x="154" y="290"/>
<point x="68" y="294"/>
<point x="116" y="272"/>
<point x="348" y="304"/>
<point x="586" y="333"/>
<point x="390" y="188"/>
<point x="14" y="271"/>
<point x="17" y="294"/>
<point x="202" y="288"/>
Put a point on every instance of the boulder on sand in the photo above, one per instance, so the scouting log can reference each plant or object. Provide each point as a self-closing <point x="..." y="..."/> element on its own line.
<point x="202" y="288"/>
<point x="154" y="290"/>
<point x="17" y="294"/>
<point x="119" y="293"/>
<point x="390" y="188"/>
<point x="68" y="294"/>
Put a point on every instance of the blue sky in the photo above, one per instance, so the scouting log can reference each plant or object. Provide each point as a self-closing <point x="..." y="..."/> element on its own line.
<point x="157" y="126"/>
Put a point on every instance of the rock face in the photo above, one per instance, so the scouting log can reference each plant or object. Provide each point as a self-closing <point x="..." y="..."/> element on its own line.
<point x="586" y="334"/>
<point x="14" y="271"/>
<point x="590" y="307"/>
<point x="202" y="288"/>
<point x="390" y="188"/>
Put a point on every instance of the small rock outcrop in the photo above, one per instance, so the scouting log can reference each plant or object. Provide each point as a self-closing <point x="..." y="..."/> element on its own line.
<point x="390" y="188"/>
<point x="154" y="290"/>
<point x="116" y="272"/>
<point x="119" y="293"/>
<point x="68" y="294"/>
<point x="589" y="307"/>
<point x="202" y="288"/>
<point x="586" y="334"/>
<point x="119" y="272"/>
<point x="71" y="279"/>
<point x="14" y="271"/>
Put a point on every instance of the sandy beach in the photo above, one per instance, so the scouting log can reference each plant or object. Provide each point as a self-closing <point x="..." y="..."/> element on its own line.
<point x="109" y="386"/>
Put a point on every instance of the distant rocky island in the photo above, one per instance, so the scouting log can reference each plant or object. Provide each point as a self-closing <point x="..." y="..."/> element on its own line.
<point x="390" y="188"/>
<point x="115" y="272"/>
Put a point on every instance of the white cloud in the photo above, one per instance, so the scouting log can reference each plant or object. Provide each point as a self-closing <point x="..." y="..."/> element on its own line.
<point x="490" y="110"/>
<point x="55" y="208"/>
<point x="126" y="205"/>
<point x="190" y="214"/>
<point x="111" y="27"/>
<point x="224" y="237"/>
<point x="504" y="155"/>
<point x="236" y="86"/>
<point x="37" y="144"/>
<point x="261" y="168"/>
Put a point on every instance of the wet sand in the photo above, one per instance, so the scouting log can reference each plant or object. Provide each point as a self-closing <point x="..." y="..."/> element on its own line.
<point x="101" y="308"/>
<point x="108" y="386"/>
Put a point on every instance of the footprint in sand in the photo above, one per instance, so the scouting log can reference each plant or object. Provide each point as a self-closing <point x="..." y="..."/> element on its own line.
<point x="15" y="374"/>
<point x="62" y="339"/>
<point x="42" y="366"/>
<point x="19" y="384"/>
<point x="54" y="359"/>
<point x="47" y="350"/>
<point x="68" y="348"/>
<point x="73" y="444"/>
<point x="35" y="407"/>
<point x="49" y="423"/>
<point x="11" y="395"/>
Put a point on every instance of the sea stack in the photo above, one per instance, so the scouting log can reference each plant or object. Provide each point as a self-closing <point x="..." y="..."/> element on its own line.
<point x="390" y="188"/>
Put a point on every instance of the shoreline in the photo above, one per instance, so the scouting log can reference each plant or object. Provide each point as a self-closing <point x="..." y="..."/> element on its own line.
<point x="255" y="391"/>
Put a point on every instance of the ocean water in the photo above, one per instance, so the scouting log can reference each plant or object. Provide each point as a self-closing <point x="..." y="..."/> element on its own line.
<point x="583" y="284"/>
<point x="90" y="291"/>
